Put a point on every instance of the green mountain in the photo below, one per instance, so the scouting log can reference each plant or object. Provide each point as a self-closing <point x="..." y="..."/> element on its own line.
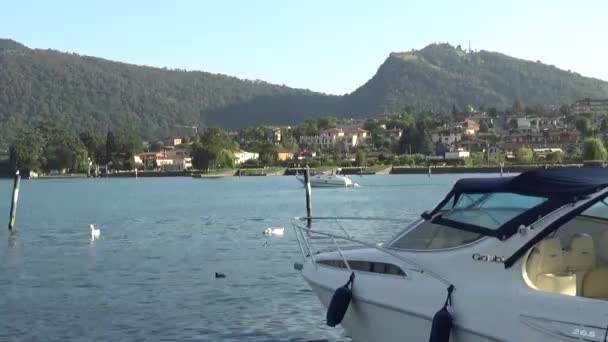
<point x="440" y="76"/>
<point x="87" y="93"/>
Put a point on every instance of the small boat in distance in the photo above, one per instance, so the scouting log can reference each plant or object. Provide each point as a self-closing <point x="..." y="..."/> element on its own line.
<point x="329" y="180"/>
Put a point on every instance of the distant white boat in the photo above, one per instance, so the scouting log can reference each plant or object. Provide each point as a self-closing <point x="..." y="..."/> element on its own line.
<point x="329" y="180"/>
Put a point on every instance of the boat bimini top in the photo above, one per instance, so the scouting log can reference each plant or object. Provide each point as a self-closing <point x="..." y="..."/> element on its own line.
<point x="497" y="207"/>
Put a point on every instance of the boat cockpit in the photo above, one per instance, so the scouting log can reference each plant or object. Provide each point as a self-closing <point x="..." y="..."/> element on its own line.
<point x="572" y="256"/>
<point x="573" y="260"/>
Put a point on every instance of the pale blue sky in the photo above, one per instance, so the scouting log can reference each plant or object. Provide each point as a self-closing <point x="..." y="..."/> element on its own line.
<point x="332" y="46"/>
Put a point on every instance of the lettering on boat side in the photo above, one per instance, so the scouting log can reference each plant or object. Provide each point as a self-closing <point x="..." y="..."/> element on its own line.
<point x="488" y="258"/>
<point x="584" y="333"/>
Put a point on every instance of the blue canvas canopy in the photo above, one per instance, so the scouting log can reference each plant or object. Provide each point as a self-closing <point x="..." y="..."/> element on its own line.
<point x="558" y="186"/>
<point x="558" y="182"/>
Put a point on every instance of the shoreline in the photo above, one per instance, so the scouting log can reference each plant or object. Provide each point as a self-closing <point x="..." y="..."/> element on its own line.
<point x="282" y="171"/>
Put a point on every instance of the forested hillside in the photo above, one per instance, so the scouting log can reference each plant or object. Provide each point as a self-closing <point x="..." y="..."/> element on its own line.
<point x="440" y="76"/>
<point x="83" y="93"/>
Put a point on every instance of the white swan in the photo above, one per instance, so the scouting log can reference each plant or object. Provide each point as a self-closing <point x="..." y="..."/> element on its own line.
<point x="95" y="232"/>
<point x="274" y="231"/>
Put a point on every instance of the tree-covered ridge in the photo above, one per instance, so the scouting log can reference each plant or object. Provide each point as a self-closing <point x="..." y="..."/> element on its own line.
<point x="85" y="93"/>
<point x="81" y="93"/>
<point x="440" y="76"/>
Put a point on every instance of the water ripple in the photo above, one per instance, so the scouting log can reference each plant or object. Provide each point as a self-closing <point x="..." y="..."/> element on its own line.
<point x="151" y="275"/>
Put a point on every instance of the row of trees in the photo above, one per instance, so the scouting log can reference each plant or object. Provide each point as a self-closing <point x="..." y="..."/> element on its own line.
<point x="213" y="149"/>
<point x="46" y="146"/>
<point x="593" y="149"/>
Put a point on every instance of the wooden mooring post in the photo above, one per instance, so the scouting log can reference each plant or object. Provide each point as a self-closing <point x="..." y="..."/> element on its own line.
<point x="13" y="213"/>
<point x="308" y="195"/>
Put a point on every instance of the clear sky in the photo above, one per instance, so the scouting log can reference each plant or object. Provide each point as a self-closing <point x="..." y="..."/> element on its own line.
<point x="331" y="46"/>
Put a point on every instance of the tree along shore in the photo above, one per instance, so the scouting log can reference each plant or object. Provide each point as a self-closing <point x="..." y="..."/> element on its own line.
<point x="278" y="171"/>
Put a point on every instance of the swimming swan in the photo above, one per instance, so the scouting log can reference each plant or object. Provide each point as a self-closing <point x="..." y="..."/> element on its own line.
<point x="95" y="232"/>
<point x="274" y="231"/>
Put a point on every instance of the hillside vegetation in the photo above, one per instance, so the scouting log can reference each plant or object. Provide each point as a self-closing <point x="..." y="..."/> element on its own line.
<point x="82" y="93"/>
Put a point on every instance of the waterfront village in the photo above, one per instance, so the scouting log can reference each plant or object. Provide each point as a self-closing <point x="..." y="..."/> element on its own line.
<point x="468" y="137"/>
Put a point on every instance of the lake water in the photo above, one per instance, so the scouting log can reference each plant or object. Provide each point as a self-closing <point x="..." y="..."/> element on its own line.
<point x="151" y="275"/>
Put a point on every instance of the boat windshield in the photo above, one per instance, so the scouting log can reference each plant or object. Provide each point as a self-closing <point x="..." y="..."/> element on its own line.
<point x="451" y="227"/>
<point x="599" y="210"/>
<point x="489" y="210"/>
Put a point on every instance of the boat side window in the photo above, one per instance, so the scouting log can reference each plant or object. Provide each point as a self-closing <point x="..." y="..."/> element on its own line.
<point x="428" y="235"/>
<point x="367" y="266"/>
<point x="574" y="260"/>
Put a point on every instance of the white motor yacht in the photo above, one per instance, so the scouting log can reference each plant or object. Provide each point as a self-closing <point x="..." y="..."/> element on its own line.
<point x="521" y="258"/>
<point x="329" y="180"/>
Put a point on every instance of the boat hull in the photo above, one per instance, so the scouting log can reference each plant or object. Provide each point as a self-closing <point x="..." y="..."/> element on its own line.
<point x="369" y="321"/>
<point x="390" y="308"/>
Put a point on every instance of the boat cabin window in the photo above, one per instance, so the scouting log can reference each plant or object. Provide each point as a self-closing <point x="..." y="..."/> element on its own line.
<point x="574" y="260"/>
<point x="367" y="266"/>
<point x="489" y="210"/>
<point x="429" y="235"/>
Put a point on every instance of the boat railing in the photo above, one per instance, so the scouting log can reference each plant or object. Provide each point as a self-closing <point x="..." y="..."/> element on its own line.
<point x="315" y="241"/>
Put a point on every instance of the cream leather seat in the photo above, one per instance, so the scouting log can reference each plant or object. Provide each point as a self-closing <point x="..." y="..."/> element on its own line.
<point x="581" y="254"/>
<point x="547" y="268"/>
<point x="602" y="251"/>
<point x="595" y="283"/>
<point x="546" y="258"/>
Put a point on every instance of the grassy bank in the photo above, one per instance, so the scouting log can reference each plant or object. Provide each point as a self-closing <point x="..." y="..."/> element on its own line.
<point x="282" y="171"/>
<point x="473" y="169"/>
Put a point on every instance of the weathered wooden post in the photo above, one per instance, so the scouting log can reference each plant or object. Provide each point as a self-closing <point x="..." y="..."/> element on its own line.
<point x="308" y="195"/>
<point x="429" y="170"/>
<point x="501" y="166"/>
<point x="13" y="214"/>
<point x="135" y="173"/>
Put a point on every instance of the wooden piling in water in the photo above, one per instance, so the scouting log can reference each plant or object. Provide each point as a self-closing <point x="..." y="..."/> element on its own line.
<point x="13" y="213"/>
<point x="308" y="195"/>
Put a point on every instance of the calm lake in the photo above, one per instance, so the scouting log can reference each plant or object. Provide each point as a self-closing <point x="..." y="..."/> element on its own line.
<point x="151" y="276"/>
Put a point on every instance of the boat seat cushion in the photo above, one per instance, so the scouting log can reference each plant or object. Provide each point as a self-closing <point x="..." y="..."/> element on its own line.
<point x="565" y="285"/>
<point x="581" y="254"/>
<point x="595" y="283"/>
<point x="546" y="258"/>
<point x="603" y="252"/>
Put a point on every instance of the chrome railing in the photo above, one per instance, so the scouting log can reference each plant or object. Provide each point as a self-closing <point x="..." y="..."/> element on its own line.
<point x="313" y="241"/>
